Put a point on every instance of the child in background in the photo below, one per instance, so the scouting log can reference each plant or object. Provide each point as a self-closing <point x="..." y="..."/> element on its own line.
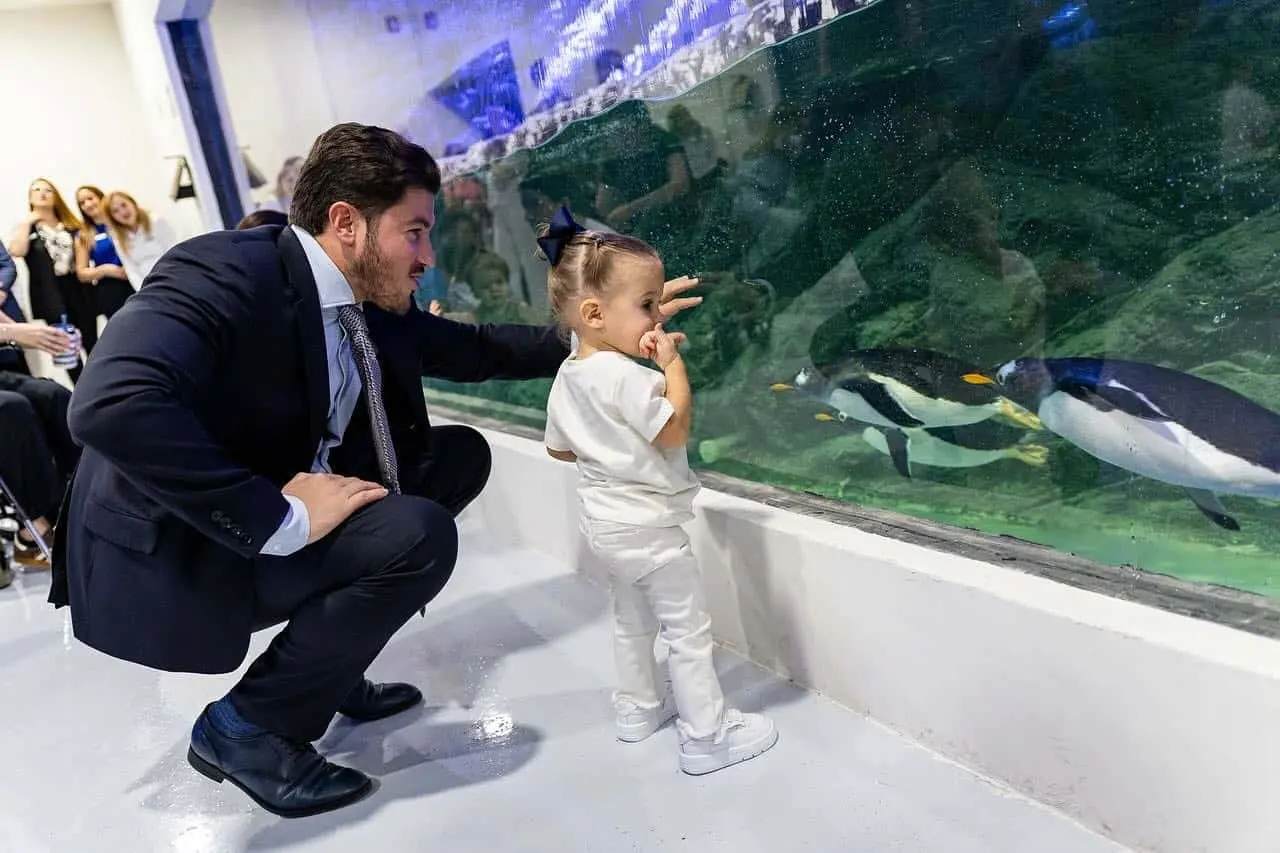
<point x="626" y="426"/>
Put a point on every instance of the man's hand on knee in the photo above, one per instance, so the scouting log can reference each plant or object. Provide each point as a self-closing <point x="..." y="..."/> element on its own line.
<point x="330" y="499"/>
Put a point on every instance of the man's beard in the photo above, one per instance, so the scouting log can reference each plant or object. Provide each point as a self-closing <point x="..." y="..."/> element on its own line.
<point x="372" y="276"/>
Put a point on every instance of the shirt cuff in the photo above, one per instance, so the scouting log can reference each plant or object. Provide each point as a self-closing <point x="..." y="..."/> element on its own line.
<point x="293" y="533"/>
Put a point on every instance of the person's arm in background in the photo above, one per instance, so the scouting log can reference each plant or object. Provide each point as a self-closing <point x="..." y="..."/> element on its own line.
<point x="20" y="242"/>
<point x="8" y="275"/>
<point x="34" y="336"/>
<point x="677" y="184"/>
<point x="90" y="274"/>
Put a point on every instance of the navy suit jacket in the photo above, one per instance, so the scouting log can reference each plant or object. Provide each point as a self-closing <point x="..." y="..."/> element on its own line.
<point x="207" y="392"/>
<point x="9" y="275"/>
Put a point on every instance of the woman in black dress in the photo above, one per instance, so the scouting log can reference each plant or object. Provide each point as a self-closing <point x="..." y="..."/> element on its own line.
<point x="47" y="241"/>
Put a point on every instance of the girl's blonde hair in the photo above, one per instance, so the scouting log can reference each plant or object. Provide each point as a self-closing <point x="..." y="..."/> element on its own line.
<point x="121" y="235"/>
<point x="585" y="268"/>
<point x="60" y="208"/>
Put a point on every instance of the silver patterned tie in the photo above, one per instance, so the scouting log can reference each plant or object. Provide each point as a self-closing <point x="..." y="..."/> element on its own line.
<point x="366" y="358"/>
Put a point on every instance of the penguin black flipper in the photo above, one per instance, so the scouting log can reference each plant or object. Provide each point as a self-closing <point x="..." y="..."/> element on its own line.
<point x="984" y="435"/>
<point x="897" y="441"/>
<point x="878" y="398"/>
<point x="1207" y="502"/>
<point x="1108" y="397"/>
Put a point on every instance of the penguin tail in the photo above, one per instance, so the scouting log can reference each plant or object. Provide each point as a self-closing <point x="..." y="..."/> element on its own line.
<point x="1032" y="454"/>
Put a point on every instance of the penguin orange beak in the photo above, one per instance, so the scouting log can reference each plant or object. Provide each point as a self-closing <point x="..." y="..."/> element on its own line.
<point x="824" y="417"/>
<point x="978" y="379"/>
<point x="781" y="386"/>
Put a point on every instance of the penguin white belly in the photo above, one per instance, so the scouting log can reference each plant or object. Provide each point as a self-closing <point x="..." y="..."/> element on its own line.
<point x="1161" y="450"/>
<point x="929" y="450"/>
<point x="932" y="410"/>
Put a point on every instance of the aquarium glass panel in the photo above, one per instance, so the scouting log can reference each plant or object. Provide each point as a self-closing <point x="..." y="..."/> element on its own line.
<point x="1010" y="266"/>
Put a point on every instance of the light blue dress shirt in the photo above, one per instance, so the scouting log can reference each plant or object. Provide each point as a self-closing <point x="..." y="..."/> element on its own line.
<point x="344" y="389"/>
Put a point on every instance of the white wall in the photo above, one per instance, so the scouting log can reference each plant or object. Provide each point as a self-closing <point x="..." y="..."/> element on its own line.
<point x="164" y="110"/>
<point x="1155" y="729"/>
<point x="293" y="67"/>
<point x="275" y="85"/>
<point x="95" y="133"/>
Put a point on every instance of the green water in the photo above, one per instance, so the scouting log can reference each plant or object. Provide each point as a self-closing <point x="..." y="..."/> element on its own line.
<point x="950" y="176"/>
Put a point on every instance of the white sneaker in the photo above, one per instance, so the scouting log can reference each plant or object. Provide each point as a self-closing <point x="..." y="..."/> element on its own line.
<point x="741" y="737"/>
<point x="636" y="723"/>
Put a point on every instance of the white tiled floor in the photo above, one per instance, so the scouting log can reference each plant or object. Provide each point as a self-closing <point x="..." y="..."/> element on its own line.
<point x="513" y="751"/>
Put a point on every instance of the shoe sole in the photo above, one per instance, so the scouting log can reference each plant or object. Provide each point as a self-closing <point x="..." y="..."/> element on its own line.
<point x="204" y="768"/>
<point x="700" y="765"/>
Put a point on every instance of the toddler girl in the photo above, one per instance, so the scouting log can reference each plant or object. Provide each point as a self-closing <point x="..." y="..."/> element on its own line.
<point x="626" y="426"/>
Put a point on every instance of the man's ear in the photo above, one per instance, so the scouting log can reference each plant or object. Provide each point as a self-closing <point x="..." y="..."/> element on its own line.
<point x="344" y="222"/>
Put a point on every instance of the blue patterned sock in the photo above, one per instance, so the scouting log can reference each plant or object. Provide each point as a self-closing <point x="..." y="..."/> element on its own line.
<point x="228" y="720"/>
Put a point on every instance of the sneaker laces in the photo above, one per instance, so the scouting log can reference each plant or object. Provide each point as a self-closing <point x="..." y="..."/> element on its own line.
<point x="733" y="719"/>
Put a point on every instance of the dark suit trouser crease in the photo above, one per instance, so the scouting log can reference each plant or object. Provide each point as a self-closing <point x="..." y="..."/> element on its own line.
<point x="346" y="595"/>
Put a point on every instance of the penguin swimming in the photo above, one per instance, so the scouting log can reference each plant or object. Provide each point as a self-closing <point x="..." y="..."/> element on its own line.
<point x="905" y="388"/>
<point x="966" y="446"/>
<point x="1157" y="422"/>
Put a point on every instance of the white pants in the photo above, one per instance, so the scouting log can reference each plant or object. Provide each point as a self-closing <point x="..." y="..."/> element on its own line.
<point x="657" y="588"/>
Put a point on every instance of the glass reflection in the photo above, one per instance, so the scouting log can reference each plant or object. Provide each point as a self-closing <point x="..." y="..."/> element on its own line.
<point x="1014" y="275"/>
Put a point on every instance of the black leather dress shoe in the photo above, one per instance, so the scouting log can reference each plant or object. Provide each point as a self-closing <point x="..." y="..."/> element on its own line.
<point x="369" y="701"/>
<point x="286" y="778"/>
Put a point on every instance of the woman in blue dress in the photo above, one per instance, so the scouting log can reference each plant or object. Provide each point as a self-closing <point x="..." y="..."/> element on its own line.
<point x="97" y="260"/>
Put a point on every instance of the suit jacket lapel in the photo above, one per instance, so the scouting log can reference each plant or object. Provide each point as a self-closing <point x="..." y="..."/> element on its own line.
<point x="306" y="301"/>
<point x="393" y="336"/>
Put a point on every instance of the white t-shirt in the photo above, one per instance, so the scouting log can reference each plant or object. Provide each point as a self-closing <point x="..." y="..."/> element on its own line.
<point x="607" y="409"/>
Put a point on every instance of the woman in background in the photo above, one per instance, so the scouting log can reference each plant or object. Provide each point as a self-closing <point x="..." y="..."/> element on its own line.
<point x="286" y="181"/>
<point x="97" y="261"/>
<point x="47" y="242"/>
<point x="140" y="238"/>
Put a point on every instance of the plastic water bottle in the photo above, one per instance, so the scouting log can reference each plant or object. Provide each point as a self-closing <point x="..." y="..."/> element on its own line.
<point x="70" y="358"/>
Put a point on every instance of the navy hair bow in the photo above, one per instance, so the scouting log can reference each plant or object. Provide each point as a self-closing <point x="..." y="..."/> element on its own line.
<point x="563" y="229"/>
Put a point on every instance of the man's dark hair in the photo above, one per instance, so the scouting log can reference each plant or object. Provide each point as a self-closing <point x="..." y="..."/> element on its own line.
<point x="262" y="217"/>
<point x="368" y="167"/>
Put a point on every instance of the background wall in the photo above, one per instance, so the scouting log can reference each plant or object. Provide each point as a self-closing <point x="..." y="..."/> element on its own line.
<point x="77" y="118"/>
<point x="291" y="68"/>
<point x="276" y="87"/>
